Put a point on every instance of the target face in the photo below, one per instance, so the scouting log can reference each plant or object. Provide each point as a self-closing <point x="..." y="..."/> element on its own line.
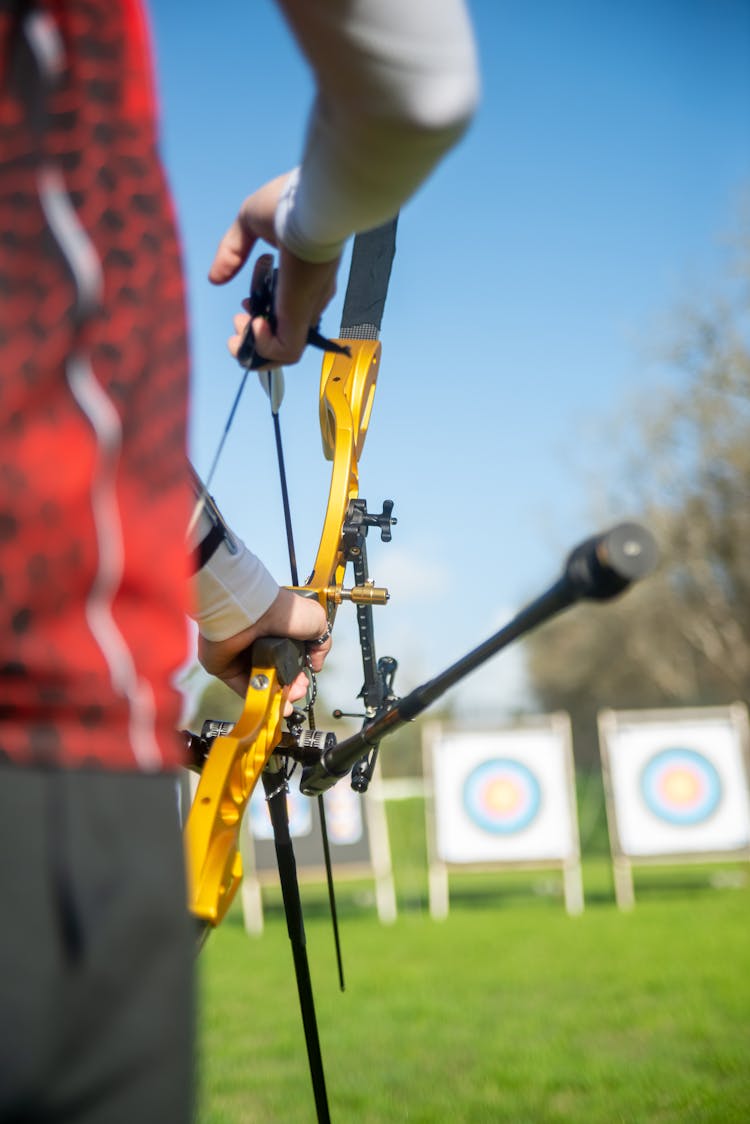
<point x="343" y="815"/>
<point x="299" y="810"/>
<point x="681" y="787"/>
<point x="502" y="796"/>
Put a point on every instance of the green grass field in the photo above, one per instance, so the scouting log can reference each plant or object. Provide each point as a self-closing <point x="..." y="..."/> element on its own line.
<point x="508" y="1011"/>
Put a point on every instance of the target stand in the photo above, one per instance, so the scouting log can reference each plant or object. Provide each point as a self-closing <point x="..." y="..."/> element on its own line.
<point x="676" y="788"/>
<point x="501" y="799"/>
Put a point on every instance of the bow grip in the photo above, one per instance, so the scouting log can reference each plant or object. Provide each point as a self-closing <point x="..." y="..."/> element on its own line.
<point x="287" y="656"/>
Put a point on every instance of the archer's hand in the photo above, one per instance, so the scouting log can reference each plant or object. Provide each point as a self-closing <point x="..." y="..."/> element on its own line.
<point x="304" y="288"/>
<point x="299" y="618"/>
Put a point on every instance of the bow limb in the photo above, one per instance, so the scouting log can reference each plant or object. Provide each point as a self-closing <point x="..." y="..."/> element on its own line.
<point x="228" y="778"/>
<point x="347" y="389"/>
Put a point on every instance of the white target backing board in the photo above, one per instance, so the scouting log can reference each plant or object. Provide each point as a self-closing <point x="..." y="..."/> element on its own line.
<point x="357" y="836"/>
<point x="501" y="798"/>
<point x="676" y="783"/>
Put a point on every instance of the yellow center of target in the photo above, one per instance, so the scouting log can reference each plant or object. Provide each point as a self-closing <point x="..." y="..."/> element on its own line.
<point x="501" y="796"/>
<point x="681" y="787"/>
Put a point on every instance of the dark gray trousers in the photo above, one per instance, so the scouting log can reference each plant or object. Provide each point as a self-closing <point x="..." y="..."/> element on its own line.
<point x="96" y="950"/>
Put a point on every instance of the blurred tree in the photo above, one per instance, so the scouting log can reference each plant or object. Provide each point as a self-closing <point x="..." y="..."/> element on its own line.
<point x="401" y="754"/>
<point x="683" y="637"/>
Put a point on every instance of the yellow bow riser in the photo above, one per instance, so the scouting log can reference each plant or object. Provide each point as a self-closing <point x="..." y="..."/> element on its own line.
<point x="228" y="778"/>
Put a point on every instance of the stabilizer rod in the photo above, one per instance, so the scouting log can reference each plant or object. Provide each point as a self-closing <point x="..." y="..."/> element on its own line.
<point x="598" y="569"/>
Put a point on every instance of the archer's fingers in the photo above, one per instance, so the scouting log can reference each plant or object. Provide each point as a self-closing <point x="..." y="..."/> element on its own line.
<point x="241" y="321"/>
<point x="299" y="687"/>
<point x="275" y="350"/>
<point x="232" y="253"/>
<point x="254" y="221"/>
<point x="282" y="347"/>
<point x="317" y="654"/>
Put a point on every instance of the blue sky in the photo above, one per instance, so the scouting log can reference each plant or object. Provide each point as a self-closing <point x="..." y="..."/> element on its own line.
<point x="536" y="274"/>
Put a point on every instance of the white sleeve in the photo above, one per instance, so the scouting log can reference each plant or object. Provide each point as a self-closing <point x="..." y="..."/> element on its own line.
<point x="232" y="590"/>
<point x="397" y="84"/>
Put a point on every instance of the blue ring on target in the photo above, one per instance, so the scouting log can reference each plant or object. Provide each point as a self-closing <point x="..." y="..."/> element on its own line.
<point x="681" y="786"/>
<point x="502" y="796"/>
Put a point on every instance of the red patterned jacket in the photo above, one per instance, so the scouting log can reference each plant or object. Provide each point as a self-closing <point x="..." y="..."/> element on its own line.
<point x="93" y="395"/>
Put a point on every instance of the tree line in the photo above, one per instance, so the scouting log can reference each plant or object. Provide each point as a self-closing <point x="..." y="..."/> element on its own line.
<point x="681" y="638"/>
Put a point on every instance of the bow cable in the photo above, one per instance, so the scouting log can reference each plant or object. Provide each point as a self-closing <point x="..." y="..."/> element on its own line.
<point x="273" y="383"/>
<point x="204" y="487"/>
<point x="260" y="303"/>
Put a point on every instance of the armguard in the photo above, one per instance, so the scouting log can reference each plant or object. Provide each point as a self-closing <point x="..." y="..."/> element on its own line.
<point x="211" y="527"/>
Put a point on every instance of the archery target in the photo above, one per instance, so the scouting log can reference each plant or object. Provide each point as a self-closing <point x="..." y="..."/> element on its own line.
<point x="343" y="815"/>
<point x="357" y="834"/>
<point x="503" y="796"/>
<point x="679" y="785"/>
<point x="299" y="809"/>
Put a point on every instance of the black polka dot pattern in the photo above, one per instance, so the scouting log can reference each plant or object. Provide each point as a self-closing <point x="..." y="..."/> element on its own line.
<point x="58" y="704"/>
